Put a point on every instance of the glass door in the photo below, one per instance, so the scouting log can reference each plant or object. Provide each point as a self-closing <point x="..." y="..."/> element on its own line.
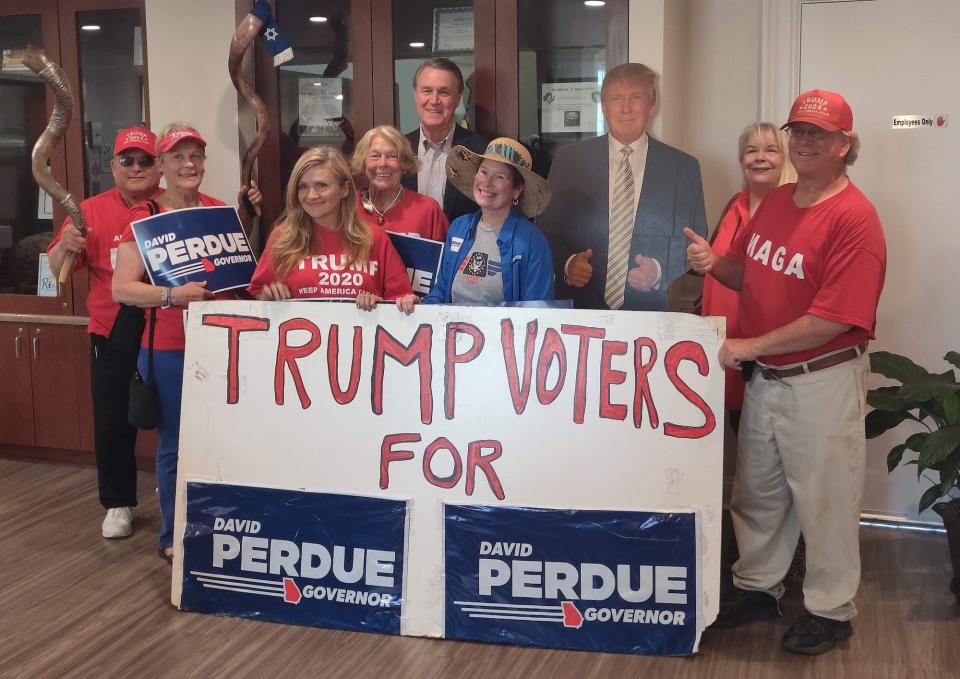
<point x="27" y="214"/>
<point x="564" y="48"/>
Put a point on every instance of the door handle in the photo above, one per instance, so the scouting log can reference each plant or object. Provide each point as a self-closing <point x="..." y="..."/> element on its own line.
<point x="16" y="347"/>
<point x="36" y="347"/>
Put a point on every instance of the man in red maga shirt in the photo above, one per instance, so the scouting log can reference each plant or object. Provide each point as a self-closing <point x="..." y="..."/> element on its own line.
<point x="809" y="267"/>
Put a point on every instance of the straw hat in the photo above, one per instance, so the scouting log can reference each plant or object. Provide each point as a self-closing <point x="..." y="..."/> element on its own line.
<point x="462" y="166"/>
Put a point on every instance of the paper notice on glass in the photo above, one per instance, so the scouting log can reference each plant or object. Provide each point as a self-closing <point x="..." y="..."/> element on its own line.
<point x="453" y="29"/>
<point x="321" y="102"/>
<point x="44" y="205"/>
<point x="569" y="107"/>
<point x="12" y="61"/>
<point x="46" y="281"/>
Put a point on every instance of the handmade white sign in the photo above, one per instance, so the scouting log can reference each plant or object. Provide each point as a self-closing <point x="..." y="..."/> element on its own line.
<point x="503" y="407"/>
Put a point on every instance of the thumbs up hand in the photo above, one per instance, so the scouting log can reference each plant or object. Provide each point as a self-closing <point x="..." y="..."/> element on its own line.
<point x="699" y="253"/>
<point x="579" y="269"/>
<point x="644" y="275"/>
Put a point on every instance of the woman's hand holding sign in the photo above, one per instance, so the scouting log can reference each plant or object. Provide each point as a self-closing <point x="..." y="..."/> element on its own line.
<point x="194" y="291"/>
<point x="407" y="303"/>
<point x="367" y="300"/>
<point x="274" y="290"/>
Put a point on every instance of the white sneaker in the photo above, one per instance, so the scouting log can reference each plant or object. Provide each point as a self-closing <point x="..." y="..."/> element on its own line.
<point x="118" y="523"/>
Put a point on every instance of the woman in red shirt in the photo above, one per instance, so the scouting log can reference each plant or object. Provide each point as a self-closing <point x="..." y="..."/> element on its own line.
<point x="321" y="249"/>
<point x="765" y="165"/>
<point x="181" y="152"/>
<point x="383" y="157"/>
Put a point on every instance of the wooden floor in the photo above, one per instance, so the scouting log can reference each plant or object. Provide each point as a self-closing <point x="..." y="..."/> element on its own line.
<point x="75" y="605"/>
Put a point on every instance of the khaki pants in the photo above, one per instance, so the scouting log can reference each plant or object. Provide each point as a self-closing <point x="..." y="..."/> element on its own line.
<point x="800" y="467"/>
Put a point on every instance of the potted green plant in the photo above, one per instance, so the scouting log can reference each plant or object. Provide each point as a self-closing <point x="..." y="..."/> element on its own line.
<point x="933" y="401"/>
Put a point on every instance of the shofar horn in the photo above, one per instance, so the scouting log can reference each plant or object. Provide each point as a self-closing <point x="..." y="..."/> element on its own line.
<point x="247" y="30"/>
<point x="50" y="73"/>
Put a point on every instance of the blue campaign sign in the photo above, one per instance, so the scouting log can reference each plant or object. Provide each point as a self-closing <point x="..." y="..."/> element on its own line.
<point x="618" y="581"/>
<point x="287" y="556"/>
<point x="421" y="256"/>
<point x="196" y="244"/>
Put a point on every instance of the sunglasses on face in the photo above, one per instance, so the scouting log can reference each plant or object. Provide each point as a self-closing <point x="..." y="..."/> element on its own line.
<point x="126" y="160"/>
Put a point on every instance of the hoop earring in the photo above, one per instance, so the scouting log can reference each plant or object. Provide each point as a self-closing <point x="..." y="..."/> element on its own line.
<point x="516" y="201"/>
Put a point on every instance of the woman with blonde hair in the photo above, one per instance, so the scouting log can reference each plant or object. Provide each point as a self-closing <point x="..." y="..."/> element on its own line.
<point x="765" y="164"/>
<point x="383" y="157"/>
<point x="321" y="249"/>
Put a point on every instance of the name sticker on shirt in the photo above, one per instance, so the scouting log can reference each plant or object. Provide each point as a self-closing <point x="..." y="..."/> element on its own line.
<point x="455" y="244"/>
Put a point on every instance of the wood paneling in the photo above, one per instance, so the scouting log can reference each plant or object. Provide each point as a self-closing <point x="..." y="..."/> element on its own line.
<point x="361" y="53"/>
<point x="506" y="75"/>
<point x="485" y="67"/>
<point x="81" y="342"/>
<point x="381" y="86"/>
<point x="56" y="409"/>
<point x="16" y="397"/>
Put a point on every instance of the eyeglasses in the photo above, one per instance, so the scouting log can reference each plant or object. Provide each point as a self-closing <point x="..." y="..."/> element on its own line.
<point x="811" y="132"/>
<point x="126" y="160"/>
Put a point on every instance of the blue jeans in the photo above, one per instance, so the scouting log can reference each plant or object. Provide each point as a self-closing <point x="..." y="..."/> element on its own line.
<point x="168" y="376"/>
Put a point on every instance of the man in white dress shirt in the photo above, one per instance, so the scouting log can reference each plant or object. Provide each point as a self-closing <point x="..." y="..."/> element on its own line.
<point x="437" y="89"/>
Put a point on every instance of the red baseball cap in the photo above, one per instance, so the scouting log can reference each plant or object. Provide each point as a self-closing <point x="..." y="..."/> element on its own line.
<point x="135" y="138"/>
<point x="827" y="110"/>
<point x="175" y="136"/>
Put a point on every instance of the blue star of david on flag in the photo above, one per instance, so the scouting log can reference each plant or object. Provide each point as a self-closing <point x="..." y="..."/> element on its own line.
<point x="273" y="38"/>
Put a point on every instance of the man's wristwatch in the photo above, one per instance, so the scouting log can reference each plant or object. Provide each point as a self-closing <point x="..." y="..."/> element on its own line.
<point x="165" y="298"/>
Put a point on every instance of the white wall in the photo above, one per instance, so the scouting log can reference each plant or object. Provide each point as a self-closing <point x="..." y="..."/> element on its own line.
<point x="721" y="92"/>
<point x="187" y="46"/>
<point x="673" y="76"/>
<point x="707" y="53"/>
<point x="645" y="45"/>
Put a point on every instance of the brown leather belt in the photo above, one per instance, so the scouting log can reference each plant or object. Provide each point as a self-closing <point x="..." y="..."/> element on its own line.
<point x="814" y="365"/>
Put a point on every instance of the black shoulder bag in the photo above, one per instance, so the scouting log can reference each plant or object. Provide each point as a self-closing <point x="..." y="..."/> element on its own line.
<point x="144" y="409"/>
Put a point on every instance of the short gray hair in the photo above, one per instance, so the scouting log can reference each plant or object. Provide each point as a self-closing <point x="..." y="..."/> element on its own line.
<point x="854" y="151"/>
<point x="441" y="64"/>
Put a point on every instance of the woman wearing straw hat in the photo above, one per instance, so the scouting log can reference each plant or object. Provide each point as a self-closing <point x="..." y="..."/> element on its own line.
<point x="496" y="254"/>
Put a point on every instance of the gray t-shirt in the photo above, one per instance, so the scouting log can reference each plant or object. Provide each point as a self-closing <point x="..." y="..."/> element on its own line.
<point x="479" y="280"/>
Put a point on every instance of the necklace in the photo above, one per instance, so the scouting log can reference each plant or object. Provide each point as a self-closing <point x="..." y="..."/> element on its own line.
<point x="370" y="207"/>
